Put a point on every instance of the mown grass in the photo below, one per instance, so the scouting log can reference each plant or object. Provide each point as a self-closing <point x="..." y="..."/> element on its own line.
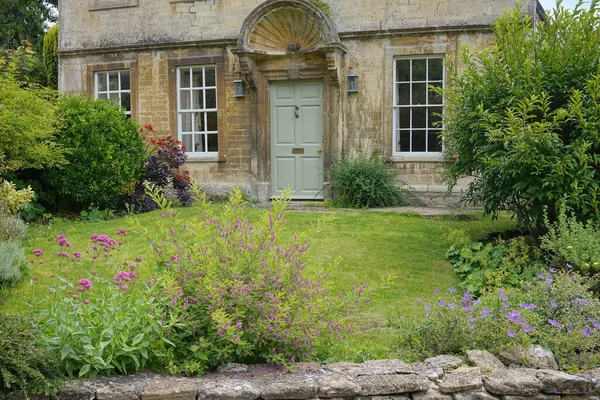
<point x="369" y="246"/>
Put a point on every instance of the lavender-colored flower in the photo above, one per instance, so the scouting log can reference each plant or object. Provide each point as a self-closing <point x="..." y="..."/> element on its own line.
<point x="419" y="299"/>
<point x="441" y="303"/>
<point x="511" y="333"/>
<point x="451" y="306"/>
<point x="570" y="327"/>
<point x="527" y="328"/>
<point x="452" y="289"/>
<point x="486" y="310"/>
<point x="569" y="266"/>
<point x="436" y="290"/>
<point x="554" y="323"/>
<point x="471" y="319"/>
<point x="586" y="331"/>
<point x="540" y="276"/>
<point x="427" y="308"/>
<point x="553" y="304"/>
<point x="552" y="270"/>
<point x="528" y="306"/>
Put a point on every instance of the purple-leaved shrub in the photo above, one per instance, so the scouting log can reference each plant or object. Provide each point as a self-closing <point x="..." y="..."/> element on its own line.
<point x="557" y="311"/>
<point x="240" y="288"/>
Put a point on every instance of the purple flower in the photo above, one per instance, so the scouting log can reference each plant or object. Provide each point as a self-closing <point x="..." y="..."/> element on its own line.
<point x="471" y="319"/>
<point x="122" y="232"/>
<point x="38" y="252"/>
<point x="527" y="328"/>
<point x="594" y="323"/>
<point x="569" y="266"/>
<point x="427" y="308"/>
<point x="419" y="299"/>
<point x="527" y="306"/>
<point x="451" y="306"/>
<point x="436" y="290"/>
<point x="586" y="331"/>
<point x="486" y="310"/>
<point x="62" y="241"/>
<point x="554" y="323"/>
<point x="511" y="333"/>
<point x="552" y="270"/>
<point x="85" y="284"/>
<point x="86" y="301"/>
<point x="441" y="303"/>
<point x="553" y="304"/>
<point x="570" y="327"/>
<point x="62" y="254"/>
<point x="540" y="276"/>
<point x="452" y="289"/>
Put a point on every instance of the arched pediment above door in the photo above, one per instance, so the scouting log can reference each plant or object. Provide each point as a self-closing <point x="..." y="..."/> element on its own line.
<point x="288" y="27"/>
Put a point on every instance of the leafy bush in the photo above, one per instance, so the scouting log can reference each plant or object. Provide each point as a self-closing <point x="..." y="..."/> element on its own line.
<point x="28" y="126"/>
<point x="25" y="363"/>
<point x="522" y="117"/>
<point x="486" y="267"/>
<point x="105" y="327"/>
<point x="161" y="170"/>
<point x="12" y="262"/>
<point x="569" y="241"/>
<point x="106" y="156"/>
<point x="363" y="182"/>
<point x="557" y="311"/>
<point x="11" y="199"/>
<point x="240" y="291"/>
<point x="12" y="228"/>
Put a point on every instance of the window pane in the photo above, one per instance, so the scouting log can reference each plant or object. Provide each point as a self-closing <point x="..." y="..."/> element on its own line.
<point x="418" y="141"/>
<point x="210" y="76"/>
<point x="419" y="70"/>
<point x="114" y="97"/>
<point x="187" y="140"/>
<point x="197" y="79"/>
<point x="435" y="98"/>
<point x="198" y="99"/>
<point x="199" y="122"/>
<point x="125" y="81"/>
<point x="403" y="70"/>
<point x="213" y="142"/>
<point x="419" y="93"/>
<point x="199" y="143"/>
<point x="126" y="101"/>
<point x="103" y="96"/>
<point x="211" y="124"/>
<point x="404" y="141"/>
<point x="101" y="82"/>
<point x="403" y="94"/>
<point x="435" y="117"/>
<point x="404" y="117"/>
<point x="419" y="117"/>
<point x="434" y="142"/>
<point x="113" y="81"/>
<point x="184" y="78"/>
<point x="186" y="122"/>
<point x="184" y="100"/>
<point x="436" y="69"/>
<point x="211" y="98"/>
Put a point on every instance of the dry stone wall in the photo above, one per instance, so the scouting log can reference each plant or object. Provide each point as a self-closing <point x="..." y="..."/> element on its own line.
<point x="480" y="377"/>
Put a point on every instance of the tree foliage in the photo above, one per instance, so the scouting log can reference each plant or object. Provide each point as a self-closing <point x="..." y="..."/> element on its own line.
<point x="24" y="20"/>
<point x="51" y="57"/>
<point x="523" y="117"/>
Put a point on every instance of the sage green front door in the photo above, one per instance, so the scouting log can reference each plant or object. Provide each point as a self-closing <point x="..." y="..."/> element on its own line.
<point x="297" y="138"/>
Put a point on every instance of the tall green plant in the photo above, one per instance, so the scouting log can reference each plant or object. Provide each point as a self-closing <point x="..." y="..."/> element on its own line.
<point x="51" y="56"/>
<point x="523" y="117"/>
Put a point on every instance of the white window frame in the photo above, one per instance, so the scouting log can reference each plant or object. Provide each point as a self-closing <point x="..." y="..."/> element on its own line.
<point x="396" y="107"/>
<point x="204" y="134"/>
<point x="118" y="91"/>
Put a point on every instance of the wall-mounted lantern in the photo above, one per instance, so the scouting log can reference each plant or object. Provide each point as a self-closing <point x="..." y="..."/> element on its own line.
<point x="239" y="89"/>
<point x="352" y="83"/>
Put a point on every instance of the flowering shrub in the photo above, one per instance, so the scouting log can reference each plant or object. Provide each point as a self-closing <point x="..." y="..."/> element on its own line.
<point x="101" y="326"/>
<point x="240" y="291"/>
<point x="557" y="311"/>
<point x="11" y="199"/>
<point x="160" y="169"/>
<point x="491" y="266"/>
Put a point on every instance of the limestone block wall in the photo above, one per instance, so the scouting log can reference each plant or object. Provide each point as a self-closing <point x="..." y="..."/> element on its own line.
<point x="439" y="378"/>
<point x="89" y="24"/>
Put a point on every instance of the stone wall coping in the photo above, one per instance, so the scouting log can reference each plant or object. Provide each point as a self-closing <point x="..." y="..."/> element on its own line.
<point x="435" y="378"/>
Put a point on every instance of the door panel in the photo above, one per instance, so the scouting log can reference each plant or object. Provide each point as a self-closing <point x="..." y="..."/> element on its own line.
<point x="297" y="138"/>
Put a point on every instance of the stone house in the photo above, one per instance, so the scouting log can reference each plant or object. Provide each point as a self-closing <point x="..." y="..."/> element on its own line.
<point x="264" y="93"/>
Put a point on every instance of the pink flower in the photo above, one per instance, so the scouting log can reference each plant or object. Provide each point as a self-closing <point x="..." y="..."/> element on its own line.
<point x="75" y="297"/>
<point x="76" y="254"/>
<point x="85" y="284"/>
<point x="62" y="241"/>
<point x="86" y="301"/>
<point x="123" y="287"/>
<point x="122" y="232"/>
<point x="62" y="254"/>
<point x="123" y="276"/>
<point x="38" y="252"/>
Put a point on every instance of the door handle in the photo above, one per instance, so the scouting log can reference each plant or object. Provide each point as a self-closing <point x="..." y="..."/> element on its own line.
<point x="296" y="112"/>
<point x="319" y="151"/>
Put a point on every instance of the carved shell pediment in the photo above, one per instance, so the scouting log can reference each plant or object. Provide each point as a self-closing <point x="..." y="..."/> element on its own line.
<point x="285" y="29"/>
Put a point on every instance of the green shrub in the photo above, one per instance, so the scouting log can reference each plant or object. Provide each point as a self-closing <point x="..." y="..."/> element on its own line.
<point x="486" y="267"/>
<point x="50" y="50"/>
<point x="12" y="262"/>
<point x="569" y="241"/>
<point x="28" y="126"/>
<point x="12" y="228"/>
<point x="13" y="200"/>
<point x="557" y="311"/>
<point x="363" y="182"/>
<point x="106" y="158"/>
<point x="522" y="117"/>
<point x="241" y="289"/>
<point x="25" y="363"/>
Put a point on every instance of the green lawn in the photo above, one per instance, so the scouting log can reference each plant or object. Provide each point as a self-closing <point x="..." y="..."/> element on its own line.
<point x="369" y="245"/>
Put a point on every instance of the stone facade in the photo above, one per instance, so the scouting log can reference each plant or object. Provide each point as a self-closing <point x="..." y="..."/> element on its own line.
<point x="259" y="42"/>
